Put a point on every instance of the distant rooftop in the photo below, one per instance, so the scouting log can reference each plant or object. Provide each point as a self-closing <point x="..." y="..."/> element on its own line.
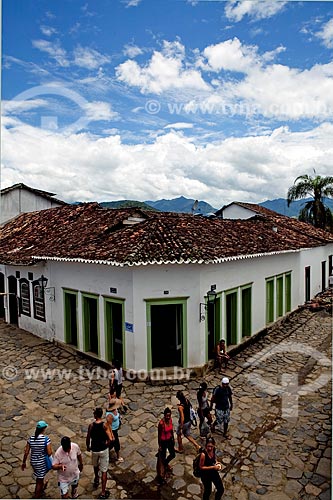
<point x="44" y="194"/>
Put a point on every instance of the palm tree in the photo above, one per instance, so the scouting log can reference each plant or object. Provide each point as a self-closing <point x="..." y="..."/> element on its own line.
<point x="314" y="211"/>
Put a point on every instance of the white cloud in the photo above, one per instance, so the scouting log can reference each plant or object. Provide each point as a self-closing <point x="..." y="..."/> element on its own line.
<point x="132" y="50"/>
<point x="89" y="58"/>
<point x="250" y="168"/>
<point x="96" y="111"/>
<point x="235" y="10"/>
<point x="326" y="34"/>
<point x="131" y="3"/>
<point x="164" y="71"/>
<point x="271" y="90"/>
<point x="179" y="125"/>
<point x="53" y="49"/>
<point x="287" y="93"/>
<point x="231" y="55"/>
<point x="16" y="106"/>
<point x="48" y="30"/>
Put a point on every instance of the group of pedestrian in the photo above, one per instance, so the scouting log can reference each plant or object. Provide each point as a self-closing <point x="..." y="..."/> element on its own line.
<point x="208" y="464"/>
<point x="67" y="461"/>
<point x="102" y="437"/>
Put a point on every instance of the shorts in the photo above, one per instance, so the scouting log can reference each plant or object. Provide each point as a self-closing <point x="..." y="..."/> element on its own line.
<point x="64" y="487"/>
<point x="186" y="429"/>
<point x="101" y="459"/>
<point x="222" y="416"/>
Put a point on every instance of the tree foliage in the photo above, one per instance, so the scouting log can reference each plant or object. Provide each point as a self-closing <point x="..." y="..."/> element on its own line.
<point x="318" y="188"/>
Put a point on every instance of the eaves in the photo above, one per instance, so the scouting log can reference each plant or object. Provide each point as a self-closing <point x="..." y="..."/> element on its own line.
<point x="219" y="260"/>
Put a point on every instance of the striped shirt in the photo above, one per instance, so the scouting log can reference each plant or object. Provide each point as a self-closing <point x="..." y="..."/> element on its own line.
<point x="37" y="454"/>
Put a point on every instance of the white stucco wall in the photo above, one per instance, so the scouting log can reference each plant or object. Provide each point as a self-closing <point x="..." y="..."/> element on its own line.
<point x="136" y="285"/>
<point x="237" y="212"/>
<point x="21" y="200"/>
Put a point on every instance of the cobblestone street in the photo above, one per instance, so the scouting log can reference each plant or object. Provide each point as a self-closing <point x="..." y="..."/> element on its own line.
<point x="277" y="451"/>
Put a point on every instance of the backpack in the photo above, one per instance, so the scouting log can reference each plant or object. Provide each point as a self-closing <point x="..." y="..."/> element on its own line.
<point x="196" y="464"/>
<point x="193" y="416"/>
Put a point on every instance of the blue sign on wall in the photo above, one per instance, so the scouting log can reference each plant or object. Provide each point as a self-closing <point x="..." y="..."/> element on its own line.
<point x="129" y="327"/>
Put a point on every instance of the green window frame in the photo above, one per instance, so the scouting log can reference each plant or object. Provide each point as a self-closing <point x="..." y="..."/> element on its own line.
<point x="109" y="354"/>
<point x="288" y="292"/>
<point x="279" y="296"/>
<point x="68" y="320"/>
<point x="159" y="302"/>
<point x="87" y="341"/>
<point x="246" y="311"/>
<point x="231" y="316"/>
<point x="269" y="300"/>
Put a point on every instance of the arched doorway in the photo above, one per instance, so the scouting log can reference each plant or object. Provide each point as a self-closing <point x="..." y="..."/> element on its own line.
<point x="12" y="300"/>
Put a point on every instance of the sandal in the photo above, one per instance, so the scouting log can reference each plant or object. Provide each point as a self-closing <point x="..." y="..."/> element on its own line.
<point x="120" y="459"/>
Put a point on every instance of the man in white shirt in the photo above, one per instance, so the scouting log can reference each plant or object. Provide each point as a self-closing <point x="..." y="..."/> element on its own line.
<point x="68" y="462"/>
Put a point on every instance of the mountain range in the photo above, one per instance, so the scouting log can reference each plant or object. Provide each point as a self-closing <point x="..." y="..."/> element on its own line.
<point x="188" y="205"/>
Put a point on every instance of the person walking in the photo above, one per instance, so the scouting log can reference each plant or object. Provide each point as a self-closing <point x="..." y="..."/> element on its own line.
<point x="39" y="445"/>
<point x="166" y="440"/>
<point x="203" y="406"/>
<point x="222" y="397"/>
<point x="117" y="378"/>
<point x="68" y="462"/>
<point x="184" y="424"/>
<point x="210" y="471"/>
<point x="98" y="439"/>
<point x="113" y="421"/>
<point x="222" y="356"/>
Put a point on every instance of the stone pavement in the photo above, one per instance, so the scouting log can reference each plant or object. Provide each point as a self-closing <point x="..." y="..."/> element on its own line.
<point x="276" y="452"/>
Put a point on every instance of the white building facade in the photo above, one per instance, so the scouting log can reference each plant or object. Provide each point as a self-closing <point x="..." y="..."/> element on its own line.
<point x="157" y="315"/>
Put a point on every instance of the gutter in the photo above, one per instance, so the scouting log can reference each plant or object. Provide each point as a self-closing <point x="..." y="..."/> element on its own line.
<point x="164" y="262"/>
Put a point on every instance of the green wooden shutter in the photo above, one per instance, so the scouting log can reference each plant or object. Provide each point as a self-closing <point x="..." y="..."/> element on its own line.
<point x="288" y="292"/>
<point x="269" y="301"/>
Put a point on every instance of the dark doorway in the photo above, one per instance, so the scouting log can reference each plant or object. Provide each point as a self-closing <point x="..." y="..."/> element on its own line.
<point x="90" y="315"/>
<point x="2" y="297"/>
<point x="323" y="275"/>
<point x="307" y="284"/>
<point x="114" y="331"/>
<point x="246" y="312"/>
<point x="12" y="299"/>
<point x="213" y="326"/>
<point x="166" y="335"/>
<point x="71" y="318"/>
<point x="231" y="318"/>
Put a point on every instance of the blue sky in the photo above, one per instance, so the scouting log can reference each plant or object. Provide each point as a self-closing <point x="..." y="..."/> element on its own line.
<point x="144" y="99"/>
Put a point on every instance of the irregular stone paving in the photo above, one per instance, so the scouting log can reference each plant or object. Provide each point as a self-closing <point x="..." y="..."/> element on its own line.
<point x="269" y="456"/>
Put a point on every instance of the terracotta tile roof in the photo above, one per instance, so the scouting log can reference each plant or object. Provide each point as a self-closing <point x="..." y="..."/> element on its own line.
<point x="283" y="220"/>
<point x="90" y="233"/>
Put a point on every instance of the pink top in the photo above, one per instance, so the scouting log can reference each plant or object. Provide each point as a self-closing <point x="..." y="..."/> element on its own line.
<point x="70" y="461"/>
<point x="167" y="430"/>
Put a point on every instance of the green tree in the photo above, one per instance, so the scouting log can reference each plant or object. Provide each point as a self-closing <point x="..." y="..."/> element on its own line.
<point x="314" y="211"/>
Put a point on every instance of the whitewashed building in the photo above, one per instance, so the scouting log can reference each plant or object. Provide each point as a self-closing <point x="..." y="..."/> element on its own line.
<point x="133" y="285"/>
<point x="21" y="198"/>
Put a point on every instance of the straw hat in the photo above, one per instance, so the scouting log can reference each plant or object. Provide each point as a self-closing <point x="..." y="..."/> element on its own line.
<point x="114" y="404"/>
